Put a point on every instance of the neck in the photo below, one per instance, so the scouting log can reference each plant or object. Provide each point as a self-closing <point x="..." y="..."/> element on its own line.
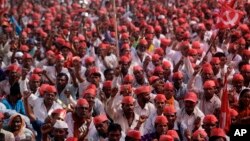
<point x="129" y="115"/>
<point x="159" y="111"/>
<point x="141" y="104"/>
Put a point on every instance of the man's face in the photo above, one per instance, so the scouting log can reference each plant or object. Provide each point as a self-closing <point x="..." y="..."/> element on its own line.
<point x="161" y="128"/>
<point x="102" y="128"/>
<point x="34" y="84"/>
<point x="128" y="108"/>
<point x="178" y="82"/>
<point x="95" y="79"/>
<point x="59" y="134"/>
<point x="169" y="93"/>
<point x="171" y="117"/>
<point x="90" y="98"/>
<point x="114" y="136"/>
<point x="82" y="111"/>
<point x="208" y="127"/>
<point x="139" y="74"/>
<point x="61" y="81"/>
<point x="209" y="92"/>
<point x="145" y="97"/>
<point x="206" y="76"/>
<point x="160" y="105"/>
<point x="189" y="106"/>
<point x="49" y="97"/>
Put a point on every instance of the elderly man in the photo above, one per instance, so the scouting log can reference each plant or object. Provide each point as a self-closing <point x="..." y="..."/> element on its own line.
<point x="101" y="123"/>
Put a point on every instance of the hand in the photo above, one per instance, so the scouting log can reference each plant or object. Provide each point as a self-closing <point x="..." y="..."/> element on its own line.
<point x="117" y="70"/>
<point x="187" y="134"/>
<point x="197" y="69"/>
<point x="197" y="123"/>
<point x="84" y="129"/>
<point x="24" y="73"/>
<point x="142" y="119"/>
<point x="67" y="93"/>
<point x="26" y="94"/>
<point x="146" y="62"/>
<point x="102" y="96"/>
<point x="46" y="128"/>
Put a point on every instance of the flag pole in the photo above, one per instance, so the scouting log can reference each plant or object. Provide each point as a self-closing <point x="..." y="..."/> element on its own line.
<point x="116" y="31"/>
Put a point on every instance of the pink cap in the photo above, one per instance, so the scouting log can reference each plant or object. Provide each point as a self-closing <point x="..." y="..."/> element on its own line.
<point x="191" y="96"/>
<point x="100" y="119"/>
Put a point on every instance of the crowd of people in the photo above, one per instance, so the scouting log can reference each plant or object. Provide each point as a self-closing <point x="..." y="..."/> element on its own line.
<point x="122" y="70"/>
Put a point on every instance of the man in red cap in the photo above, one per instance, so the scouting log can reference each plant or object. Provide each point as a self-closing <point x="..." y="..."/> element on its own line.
<point x="125" y="114"/>
<point x="44" y="106"/>
<point x="161" y="128"/>
<point x="80" y="123"/>
<point x="209" y="122"/>
<point x="190" y="114"/>
<point x="139" y="76"/>
<point x="180" y="87"/>
<point x="133" y="135"/>
<point x="169" y="94"/>
<point x="140" y="56"/>
<point x="101" y="123"/>
<point x="209" y="101"/>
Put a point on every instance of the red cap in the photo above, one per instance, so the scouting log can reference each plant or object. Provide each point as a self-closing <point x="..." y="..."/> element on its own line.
<point x="128" y="78"/>
<point x="207" y="70"/>
<point x="50" y="53"/>
<point x="158" y="28"/>
<point x="89" y="60"/>
<point x="191" y="96"/>
<point x="218" y="132"/>
<point x="125" y="46"/>
<point x="159" y="51"/>
<point x="246" y="52"/>
<point x="94" y="70"/>
<point x="124" y="59"/>
<point x="37" y="70"/>
<point x="142" y="90"/>
<point x="50" y="89"/>
<point x="173" y="134"/>
<point x="169" y="110"/>
<point x="166" y="138"/>
<point x="238" y="77"/>
<point x="196" y="45"/>
<point x="60" y="112"/>
<point x="107" y="83"/>
<point x="76" y="58"/>
<point x="178" y="74"/>
<point x="161" y="120"/>
<point x="91" y="86"/>
<point x="137" y="68"/>
<point x="100" y="119"/>
<point x="192" y="51"/>
<point x="35" y="77"/>
<point x="125" y="35"/>
<point x="210" y="119"/>
<point x="215" y="60"/>
<point x="153" y="78"/>
<point x="128" y="100"/>
<point x="199" y="134"/>
<point x="169" y="86"/>
<point x="209" y="84"/>
<point x="143" y="42"/>
<point x="126" y="87"/>
<point x="135" y="134"/>
<point x="27" y="56"/>
<point x="59" y="57"/>
<point x="13" y="68"/>
<point x="166" y="64"/>
<point x="24" y="48"/>
<point x="165" y="41"/>
<point x="160" y="98"/>
<point x="158" y="69"/>
<point x="91" y="92"/>
<point x="245" y="67"/>
<point x="156" y="57"/>
<point x="82" y="102"/>
<point x="42" y="89"/>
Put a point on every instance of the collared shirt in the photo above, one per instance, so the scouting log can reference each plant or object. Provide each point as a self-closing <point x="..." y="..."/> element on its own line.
<point x="150" y="123"/>
<point x="116" y="113"/>
<point x="180" y="94"/>
<point x="52" y="73"/>
<point x="209" y="107"/>
<point x="39" y="108"/>
<point x="188" y="120"/>
<point x="73" y="90"/>
<point x="148" y="109"/>
<point x="69" y="120"/>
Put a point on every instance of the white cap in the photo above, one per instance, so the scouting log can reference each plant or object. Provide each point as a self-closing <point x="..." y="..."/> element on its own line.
<point x="161" y="17"/>
<point x="60" y="124"/>
<point x="19" y="54"/>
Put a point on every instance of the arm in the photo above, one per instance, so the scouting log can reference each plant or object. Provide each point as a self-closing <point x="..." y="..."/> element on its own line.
<point x="29" y="111"/>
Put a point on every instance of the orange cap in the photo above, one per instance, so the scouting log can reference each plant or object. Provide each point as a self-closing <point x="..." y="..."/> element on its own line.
<point x="210" y="119"/>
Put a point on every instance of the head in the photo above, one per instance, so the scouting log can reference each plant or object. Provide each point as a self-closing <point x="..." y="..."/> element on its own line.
<point x="109" y="74"/>
<point x="16" y="123"/>
<point x="161" y="125"/>
<point x="61" y="80"/>
<point x="35" y="82"/>
<point x="238" y="82"/>
<point x="60" y="130"/>
<point x="160" y="102"/>
<point x="128" y="105"/>
<point x="95" y="76"/>
<point x="114" y="132"/>
<point x="138" y="73"/>
<point x="90" y="95"/>
<point x="199" y="135"/>
<point x="217" y="134"/>
<point x="170" y="113"/>
<point x="209" y="122"/>
<point x="133" y="135"/>
<point x="82" y="108"/>
<point x="207" y="73"/>
<point x="49" y="95"/>
<point x="178" y="79"/>
<point x="169" y="90"/>
<point x="209" y="89"/>
<point x="101" y="123"/>
<point x="244" y="99"/>
<point x="190" y="101"/>
<point x="143" y="93"/>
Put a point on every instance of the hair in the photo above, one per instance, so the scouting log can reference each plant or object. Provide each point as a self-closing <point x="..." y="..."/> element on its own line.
<point x="107" y="71"/>
<point x="61" y="74"/>
<point x="114" y="127"/>
<point x="242" y="93"/>
<point x="15" y="89"/>
<point x="219" y="54"/>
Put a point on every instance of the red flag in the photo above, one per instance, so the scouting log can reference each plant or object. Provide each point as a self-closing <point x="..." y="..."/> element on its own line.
<point x="230" y="3"/>
<point x="228" y="17"/>
<point x="225" y="119"/>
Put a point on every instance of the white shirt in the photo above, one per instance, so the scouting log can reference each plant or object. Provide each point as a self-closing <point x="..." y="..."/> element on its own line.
<point x="39" y="108"/>
<point x="188" y="120"/>
<point x="148" y="109"/>
<point x="111" y="61"/>
<point x="209" y="107"/>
